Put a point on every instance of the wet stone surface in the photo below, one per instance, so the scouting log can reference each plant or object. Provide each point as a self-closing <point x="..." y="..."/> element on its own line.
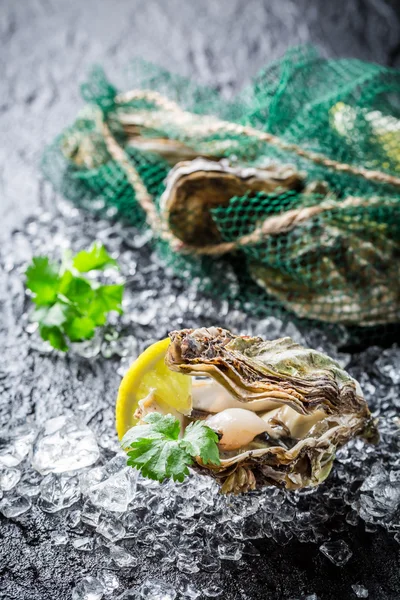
<point x="74" y="521"/>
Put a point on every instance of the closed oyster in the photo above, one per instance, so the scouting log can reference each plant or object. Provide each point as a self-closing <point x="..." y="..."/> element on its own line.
<point x="322" y="267"/>
<point x="280" y="410"/>
<point x="195" y="187"/>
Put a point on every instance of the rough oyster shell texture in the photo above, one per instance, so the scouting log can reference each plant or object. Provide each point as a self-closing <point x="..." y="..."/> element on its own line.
<point x="289" y="375"/>
<point x="195" y="187"/>
<point x="341" y="266"/>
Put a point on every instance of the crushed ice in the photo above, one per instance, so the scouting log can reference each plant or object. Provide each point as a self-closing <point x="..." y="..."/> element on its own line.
<point x="68" y="462"/>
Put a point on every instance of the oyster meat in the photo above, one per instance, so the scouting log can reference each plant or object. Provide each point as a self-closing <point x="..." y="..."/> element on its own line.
<point x="194" y="188"/>
<point x="280" y="410"/>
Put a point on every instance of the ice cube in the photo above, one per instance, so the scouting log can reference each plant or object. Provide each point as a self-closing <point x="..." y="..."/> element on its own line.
<point x="378" y="475"/>
<point x="388" y="364"/>
<point x="114" y="492"/>
<point x="230" y="551"/>
<point x="337" y="551"/>
<point x="16" y="445"/>
<point x="14" y="506"/>
<point x="64" y="445"/>
<point x="58" y="492"/>
<point x="89" y="588"/>
<point x="360" y="591"/>
<point x="111" y="528"/>
<point x="187" y="565"/>
<point x="9" y="477"/>
<point x="209" y="563"/>
<point x="155" y="589"/>
<point x="84" y="544"/>
<point x="109" y="581"/>
<point x="122" y="557"/>
<point x="29" y="484"/>
<point x="73" y="518"/>
<point x="187" y="590"/>
<point x="59" y="538"/>
<point x="90" y="514"/>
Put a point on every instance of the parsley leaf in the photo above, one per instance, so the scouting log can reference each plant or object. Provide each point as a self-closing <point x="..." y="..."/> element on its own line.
<point x="106" y="298"/>
<point x="78" y="290"/>
<point x="200" y="440"/>
<point x="55" y="336"/>
<point x="68" y="305"/>
<point x="80" y="328"/>
<point x="156" y="449"/>
<point x="42" y="279"/>
<point x="96" y="257"/>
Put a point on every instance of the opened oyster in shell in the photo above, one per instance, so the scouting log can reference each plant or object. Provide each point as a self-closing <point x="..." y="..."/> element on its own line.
<point x="280" y="410"/>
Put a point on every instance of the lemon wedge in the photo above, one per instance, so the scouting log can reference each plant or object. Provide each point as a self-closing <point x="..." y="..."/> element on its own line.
<point x="149" y="373"/>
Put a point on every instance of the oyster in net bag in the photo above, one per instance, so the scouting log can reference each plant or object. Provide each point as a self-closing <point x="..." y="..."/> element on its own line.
<point x="280" y="410"/>
<point x="194" y="188"/>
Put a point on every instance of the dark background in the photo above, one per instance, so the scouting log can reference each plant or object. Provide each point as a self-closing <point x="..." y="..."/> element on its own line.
<point x="47" y="47"/>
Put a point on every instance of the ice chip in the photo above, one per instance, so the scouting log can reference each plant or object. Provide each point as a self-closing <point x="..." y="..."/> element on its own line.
<point x="9" y="477"/>
<point x="388" y="364"/>
<point x="59" y="538"/>
<point x="73" y="518"/>
<point x="109" y="581"/>
<point x="122" y="557"/>
<point x="155" y="589"/>
<point x="337" y="551"/>
<point x="89" y="588"/>
<point x="14" y="506"/>
<point x="187" y="590"/>
<point x="90" y="514"/>
<point x="378" y="475"/>
<point x="360" y="591"/>
<point x="58" y="492"/>
<point x="187" y="565"/>
<point x="64" y="445"/>
<point x="15" y="445"/>
<point x="29" y="484"/>
<point x="370" y="509"/>
<point x="230" y="551"/>
<point x="111" y="528"/>
<point x="388" y="497"/>
<point x="111" y="492"/>
<point x="84" y="544"/>
<point x="209" y="563"/>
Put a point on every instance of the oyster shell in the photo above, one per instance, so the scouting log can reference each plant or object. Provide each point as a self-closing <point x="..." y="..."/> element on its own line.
<point x="298" y="403"/>
<point x="195" y="187"/>
<point x="341" y="266"/>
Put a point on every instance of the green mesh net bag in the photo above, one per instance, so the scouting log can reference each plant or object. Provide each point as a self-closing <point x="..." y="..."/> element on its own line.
<point x="285" y="201"/>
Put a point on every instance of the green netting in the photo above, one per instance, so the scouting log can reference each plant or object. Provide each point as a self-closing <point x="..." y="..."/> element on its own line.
<point x="337" y="267"/>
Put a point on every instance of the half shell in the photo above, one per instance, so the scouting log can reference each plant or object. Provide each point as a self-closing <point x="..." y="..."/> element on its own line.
<point x="309" y="404"/>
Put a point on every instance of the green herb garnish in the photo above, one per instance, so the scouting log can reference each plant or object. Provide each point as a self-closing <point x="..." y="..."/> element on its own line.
<point x="156" y="450"/>
<point x="69" y="306"/>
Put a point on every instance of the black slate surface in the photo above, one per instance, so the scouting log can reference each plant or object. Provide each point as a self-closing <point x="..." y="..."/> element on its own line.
<point x="46" y="49"/>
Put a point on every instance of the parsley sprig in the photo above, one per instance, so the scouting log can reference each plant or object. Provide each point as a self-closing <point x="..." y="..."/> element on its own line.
<point x="69" y="306"/>
<point x="156" y="450"/>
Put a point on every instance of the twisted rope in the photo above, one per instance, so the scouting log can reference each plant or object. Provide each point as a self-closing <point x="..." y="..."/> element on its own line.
<point x="271" y="226"/>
